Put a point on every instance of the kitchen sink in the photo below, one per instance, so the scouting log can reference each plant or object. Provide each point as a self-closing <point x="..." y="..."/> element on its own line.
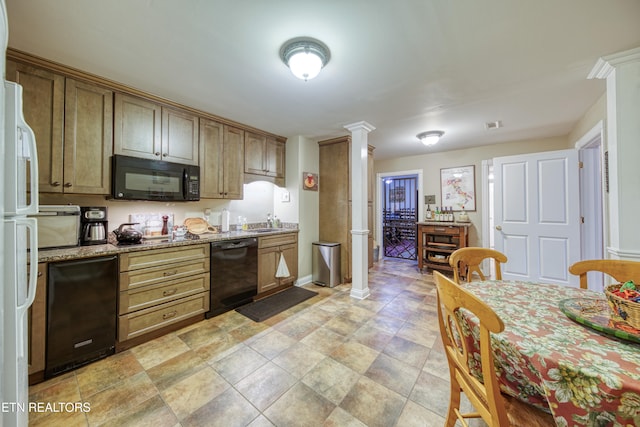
<point x="263" y="230"/>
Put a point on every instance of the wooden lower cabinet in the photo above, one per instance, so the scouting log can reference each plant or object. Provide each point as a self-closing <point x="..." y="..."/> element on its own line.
<point x="270" y="250"/>
<point x="160" y="288"/>
<point x="135" y="324"/>
<point x="37" y="320"/>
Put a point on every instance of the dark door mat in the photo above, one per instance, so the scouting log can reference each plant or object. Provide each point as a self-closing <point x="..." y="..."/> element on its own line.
<point x="276" y="303"/>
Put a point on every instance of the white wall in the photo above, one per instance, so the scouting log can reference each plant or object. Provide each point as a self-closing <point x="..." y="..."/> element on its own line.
<point x="257" y="202"/>
<point x="302" y="156"/>
<point x="431" y="163"/>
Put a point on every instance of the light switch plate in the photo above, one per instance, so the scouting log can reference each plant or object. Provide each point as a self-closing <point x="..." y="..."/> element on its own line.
<point x="430" y="199"/>
<point x="285" y="197"/>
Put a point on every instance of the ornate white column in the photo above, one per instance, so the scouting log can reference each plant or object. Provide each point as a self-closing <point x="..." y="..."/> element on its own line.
<point x="359" y="226"/>
<point x="622" y="72"/>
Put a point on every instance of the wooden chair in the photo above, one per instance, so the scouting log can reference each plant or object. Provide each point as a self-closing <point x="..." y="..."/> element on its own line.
<point x="620" y="270"/>
<point x="466" y="261"/>
<point x="496" y="409"/>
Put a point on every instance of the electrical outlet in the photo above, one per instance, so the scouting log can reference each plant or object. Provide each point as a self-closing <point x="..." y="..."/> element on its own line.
<point x="430" y="200"/>
<point x="285" y="197"/>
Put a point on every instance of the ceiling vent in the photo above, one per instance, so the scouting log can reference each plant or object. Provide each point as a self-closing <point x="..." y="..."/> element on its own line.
<point x="493" y="125"/>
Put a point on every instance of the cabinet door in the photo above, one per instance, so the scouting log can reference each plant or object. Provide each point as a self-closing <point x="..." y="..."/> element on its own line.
<point x="37" y="316"/>
<point x="267" y="267"/>
<point x="221" y="161"/>
<point x="211" y="153"/>
<point x="137" y="127"/>
<point x="233" y="163"/>
<point x="179" y="136"/>
<point x="254" y="152"/>
<point x="274" y="158"/>
<point x="290" y="254"/>
<point x="43" y="108"/>
<point x="88" y="138"/>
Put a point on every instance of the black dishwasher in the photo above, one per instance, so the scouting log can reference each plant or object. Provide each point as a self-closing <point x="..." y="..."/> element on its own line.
<point x="234" y="274"/>
<point x="81" y="312"/>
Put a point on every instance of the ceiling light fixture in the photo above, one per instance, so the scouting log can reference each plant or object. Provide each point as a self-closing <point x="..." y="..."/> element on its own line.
<point x="305" y="57"/>
<point x="430" y="137"/>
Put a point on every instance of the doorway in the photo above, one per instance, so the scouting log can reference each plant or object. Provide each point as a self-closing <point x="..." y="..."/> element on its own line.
<point x="399" y="216"/>
<point x="592" y="187"/>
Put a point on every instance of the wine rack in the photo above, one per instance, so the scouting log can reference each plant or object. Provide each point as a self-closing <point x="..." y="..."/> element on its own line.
<point x="437" y="241"/>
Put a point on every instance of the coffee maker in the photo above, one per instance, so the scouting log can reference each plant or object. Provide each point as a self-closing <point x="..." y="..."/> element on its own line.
<point x="93" y="225"/>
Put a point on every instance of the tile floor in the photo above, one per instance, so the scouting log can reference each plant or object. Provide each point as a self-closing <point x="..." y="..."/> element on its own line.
<point x="329" y="361"/>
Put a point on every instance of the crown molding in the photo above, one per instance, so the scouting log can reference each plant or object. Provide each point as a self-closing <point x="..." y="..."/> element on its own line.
<point x="606" y="64"/>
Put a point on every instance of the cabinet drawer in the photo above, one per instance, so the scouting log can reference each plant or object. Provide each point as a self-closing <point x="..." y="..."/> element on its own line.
<point x="141" y="322"/>
<point x="277" y="240"/>
<point x="438" y="229"/>
<point x="148" y="296"/>
<point x="160" y="257"/>
<point x="151" y="276"/>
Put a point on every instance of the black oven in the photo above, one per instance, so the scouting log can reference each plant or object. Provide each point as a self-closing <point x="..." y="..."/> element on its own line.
<point x="142" y="179"/>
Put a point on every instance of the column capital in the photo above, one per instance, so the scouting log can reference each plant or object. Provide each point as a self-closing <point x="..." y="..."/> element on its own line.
<point x="606" y="64"/>
<point x="359" y="125"/>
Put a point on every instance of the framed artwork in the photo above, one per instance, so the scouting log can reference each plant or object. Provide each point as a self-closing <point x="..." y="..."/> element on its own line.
<point x="459" y="188"/>
<point x="396" y="194"/>
<point x="310" y="181"/>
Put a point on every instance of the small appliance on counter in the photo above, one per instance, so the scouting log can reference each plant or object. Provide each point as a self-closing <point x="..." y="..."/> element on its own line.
<point x="58" y="226"/>
<point x="94" y="225"/>
<point x="127" y="235"/>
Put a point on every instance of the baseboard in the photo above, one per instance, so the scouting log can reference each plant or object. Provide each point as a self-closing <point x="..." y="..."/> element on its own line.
<point x="304" y="280"/>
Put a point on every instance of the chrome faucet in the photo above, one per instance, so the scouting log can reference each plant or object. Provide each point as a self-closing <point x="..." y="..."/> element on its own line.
<point x="269" y="221"/>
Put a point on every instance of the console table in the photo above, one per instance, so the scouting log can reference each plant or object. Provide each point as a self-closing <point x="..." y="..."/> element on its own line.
<point x="438" y="240"/>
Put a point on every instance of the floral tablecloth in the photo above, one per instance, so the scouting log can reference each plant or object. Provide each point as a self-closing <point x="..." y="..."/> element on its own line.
<point x="547" y="359"/>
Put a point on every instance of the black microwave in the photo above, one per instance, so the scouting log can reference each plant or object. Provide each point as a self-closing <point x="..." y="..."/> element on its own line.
<point x="142" y="179"/>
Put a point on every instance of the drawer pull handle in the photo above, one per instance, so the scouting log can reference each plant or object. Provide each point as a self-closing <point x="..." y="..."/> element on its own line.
<point x="170" y="292"/>
<point x="169" y="315"/>
<point x="170" y="273"/>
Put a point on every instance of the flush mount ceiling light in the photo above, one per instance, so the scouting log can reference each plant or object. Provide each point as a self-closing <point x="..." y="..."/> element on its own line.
<point x="305" y="57"/>
<point x="430" y="137"/>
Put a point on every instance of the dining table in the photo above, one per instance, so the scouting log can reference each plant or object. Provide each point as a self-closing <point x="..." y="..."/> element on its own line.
<point x="563" y="351"/>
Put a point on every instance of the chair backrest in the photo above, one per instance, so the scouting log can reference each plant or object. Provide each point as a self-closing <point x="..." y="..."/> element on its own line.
<point x="620" y="270"/>
<point x="466" y="261"/>
<point x="485" y="396"/>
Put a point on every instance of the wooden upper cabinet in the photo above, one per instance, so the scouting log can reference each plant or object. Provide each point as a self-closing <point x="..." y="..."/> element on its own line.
<point x="43" y="109"/>
<point x="88" y="138"/>
<point x="274" y="157"/>
<point x="233" y="162"/>
<point x="179" y="136"/>
<point x="149" y="130"/>
<point x="264" y="156"/>
<point x="254" y="153"/>
<point x="72" y="121"/>
<point x="221" y="161"/>
<point x="137" y="127"/>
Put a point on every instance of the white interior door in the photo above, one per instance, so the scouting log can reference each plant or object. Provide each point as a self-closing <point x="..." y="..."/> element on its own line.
<point x="537" y="215"/>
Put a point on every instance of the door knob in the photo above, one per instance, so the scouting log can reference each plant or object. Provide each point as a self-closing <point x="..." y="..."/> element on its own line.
<point x="498" y="227"/>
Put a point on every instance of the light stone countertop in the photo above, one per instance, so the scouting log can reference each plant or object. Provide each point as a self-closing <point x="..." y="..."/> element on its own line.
<point x="77" y="252"/>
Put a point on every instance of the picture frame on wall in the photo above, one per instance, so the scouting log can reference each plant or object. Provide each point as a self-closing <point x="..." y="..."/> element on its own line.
<point x="309" y="181"/>
<point x="458" y="188"/>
